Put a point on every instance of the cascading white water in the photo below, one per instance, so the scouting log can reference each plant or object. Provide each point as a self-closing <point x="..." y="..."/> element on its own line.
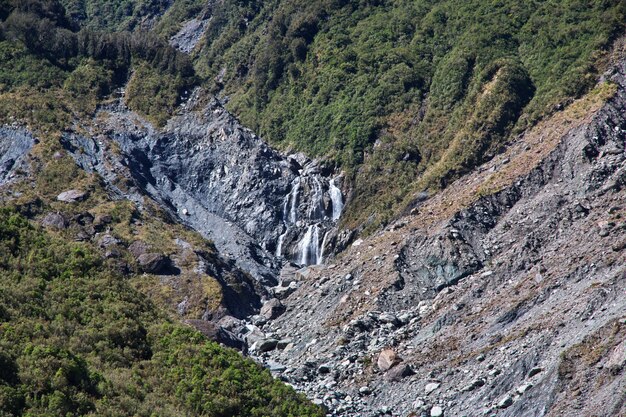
<point x="321" y="259"/>
<point x="316" y="210"/>
<point x="337" y="199"/>
<point x="309" y="246"/>
<point x="286" y="209"/>
<point x="293" y="213"/>
<point x="309" y="251"/>
<point x="279" y="246"/>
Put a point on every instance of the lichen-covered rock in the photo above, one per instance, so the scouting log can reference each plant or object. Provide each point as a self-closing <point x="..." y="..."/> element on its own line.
<point x="72" y="196"/>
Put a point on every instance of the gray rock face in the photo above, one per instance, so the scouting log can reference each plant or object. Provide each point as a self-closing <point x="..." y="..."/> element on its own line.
<point x="219" y="178"/>
<point x="189" y="35"/>
<point x="14" y="146"/>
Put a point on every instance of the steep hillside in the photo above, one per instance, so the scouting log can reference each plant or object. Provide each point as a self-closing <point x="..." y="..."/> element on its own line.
<point x="501" y="296"/>
<point x="405" y="208"/>
<point x="407" y="95"/>
<point x="78" y="338"/>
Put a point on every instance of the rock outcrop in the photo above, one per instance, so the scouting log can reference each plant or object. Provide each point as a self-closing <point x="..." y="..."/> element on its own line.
<point x="254" y="203"/>
<point x="15" y="143"/>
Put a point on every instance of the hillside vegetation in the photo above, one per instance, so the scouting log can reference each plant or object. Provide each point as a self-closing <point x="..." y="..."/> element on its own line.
<point x="55" y="70"/>
<point x="406" y="95"/>
<point x="76" y="339"/>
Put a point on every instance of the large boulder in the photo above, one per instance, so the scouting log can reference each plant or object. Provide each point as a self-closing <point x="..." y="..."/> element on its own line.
<point x="272" y="309"/>
<point x="138" y="248"/>
<point x="105" y="241"/>
<point x="153" y="263"/>
<point x="399" y="372"/>
<point x="265" y="345"/>
<point x="219" y="334"/>
<point x="54" y="221"/>
<point x="387" y="359"/>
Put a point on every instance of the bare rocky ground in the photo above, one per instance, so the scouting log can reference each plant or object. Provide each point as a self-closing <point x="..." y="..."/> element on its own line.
<point x="503" y="295"/>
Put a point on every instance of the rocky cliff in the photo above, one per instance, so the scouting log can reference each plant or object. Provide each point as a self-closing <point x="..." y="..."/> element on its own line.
<point x="257" y="205"/>
<point x="15" y="144"/>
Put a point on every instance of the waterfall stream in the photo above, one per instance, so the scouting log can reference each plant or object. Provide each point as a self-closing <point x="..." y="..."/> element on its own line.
<point x="312" y="207"/>
<point x="309" y="246"/>
<point x="281" y="240"/>
<point x="321" y="259"/>
<point x="293" y="213"/>
<point x="337" y="199"/>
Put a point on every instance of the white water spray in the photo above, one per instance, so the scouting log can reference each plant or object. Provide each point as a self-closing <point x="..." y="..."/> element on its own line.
<point x="279" y="246"/>
<point x="309" y="246"/>
<point x="293" y="214"/>
<point x="337" y="199"/>
<point x="321" y="260"/>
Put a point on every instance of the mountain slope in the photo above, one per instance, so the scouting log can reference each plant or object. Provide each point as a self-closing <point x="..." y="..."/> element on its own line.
<point x="77" y="339"/>
<point x="502" y="295"/>
<point x="406" y="95"/>
<point x="480" y="136"/>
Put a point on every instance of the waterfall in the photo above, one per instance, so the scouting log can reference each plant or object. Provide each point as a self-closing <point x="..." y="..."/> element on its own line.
<point x="309" y="248"/>
<point x="279" y="246"/>
<point x="316" y="209"/>
<point x="286" y="209"/>
<point x="321" y="259"/>
<point x="336" y="198"/>
<point x="315" y="222"/>
<point x="293" y="214"/>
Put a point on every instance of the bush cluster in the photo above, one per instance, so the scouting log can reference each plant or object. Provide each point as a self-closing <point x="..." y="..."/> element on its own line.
<point x="77" y="340"/>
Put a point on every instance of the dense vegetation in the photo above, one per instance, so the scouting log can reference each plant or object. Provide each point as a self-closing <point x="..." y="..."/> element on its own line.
<point x="113" y="14"/>
<point x="43" y="50"/>
<point x="409" y="94"/>
<point x="76" y="339"/>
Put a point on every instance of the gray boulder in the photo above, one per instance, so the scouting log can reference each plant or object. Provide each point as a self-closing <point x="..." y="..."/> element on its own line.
<point x="266" y="345"/>
<point x="72" y="196"/>
<point x="272" y="309"/>
<point x="54" y="221"/>
<point x="138" y="248"/>
<point x="152" y="263"/>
